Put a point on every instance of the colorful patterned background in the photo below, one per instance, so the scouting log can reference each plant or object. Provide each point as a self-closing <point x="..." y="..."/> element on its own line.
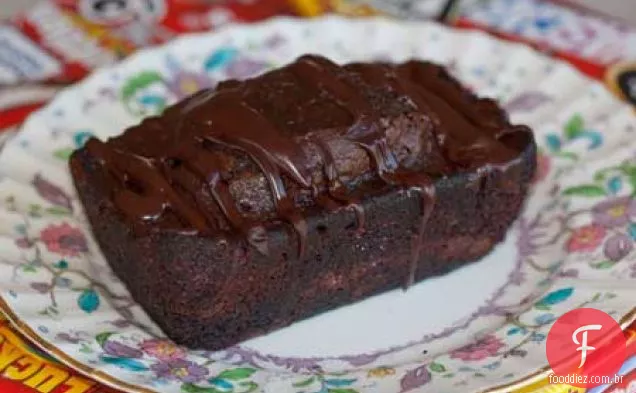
<point x="601" y="47"/>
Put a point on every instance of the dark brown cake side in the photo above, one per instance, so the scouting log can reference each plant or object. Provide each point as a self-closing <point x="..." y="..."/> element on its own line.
<point x="213" y="286"/>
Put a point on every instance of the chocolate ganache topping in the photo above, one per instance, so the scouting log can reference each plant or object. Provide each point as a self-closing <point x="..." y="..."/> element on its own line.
<point x="310" y="134"/>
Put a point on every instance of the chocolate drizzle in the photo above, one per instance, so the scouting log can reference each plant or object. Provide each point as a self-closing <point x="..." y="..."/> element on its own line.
<point x="189" y="178"/>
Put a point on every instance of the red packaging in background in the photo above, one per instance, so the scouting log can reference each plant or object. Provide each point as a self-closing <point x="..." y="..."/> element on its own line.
<point x="75" y="36"/>
<point x="57" y="42"/>
<point x="621" y="79"/>
<point x="602" y="47"/>
<point x="25" y="369"/>
<point x="403" y="9"/>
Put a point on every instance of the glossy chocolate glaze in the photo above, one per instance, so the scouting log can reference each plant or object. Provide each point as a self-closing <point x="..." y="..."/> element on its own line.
<point x="340" y="128"/>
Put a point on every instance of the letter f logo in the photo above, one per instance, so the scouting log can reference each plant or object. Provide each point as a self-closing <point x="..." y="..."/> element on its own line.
<point x="584" y="348"/>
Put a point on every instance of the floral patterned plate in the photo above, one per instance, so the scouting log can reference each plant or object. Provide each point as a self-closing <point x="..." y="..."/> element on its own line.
<point x="480" y="328"/>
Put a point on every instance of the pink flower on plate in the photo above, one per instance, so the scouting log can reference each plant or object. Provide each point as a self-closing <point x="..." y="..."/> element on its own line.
<point x="23" y="243"/>
<point x="586" y="238"/>
<point x="543" y="167"/>
<point x="162" y="349"/>
<point x="64" y="240"/>
<point x="486" y="347"/>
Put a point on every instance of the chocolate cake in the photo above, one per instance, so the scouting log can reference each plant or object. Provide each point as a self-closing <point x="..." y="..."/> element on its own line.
<point x="247" y="207"/>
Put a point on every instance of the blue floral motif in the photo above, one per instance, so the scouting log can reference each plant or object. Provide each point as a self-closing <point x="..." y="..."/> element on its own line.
<point x="80" y="137"/>
<point x="553" y="141"/>
<point x="574" y="129"/>
<point x="234" y="380"/>
<point x="516" y="330"/>
<point x="63" y="282"/>
<point x="537" y="337"/>
<point x="339" y="382"/>
<point x="61" y="264"/>
<point x="220" y="383"/>
<point x="220" y="58"/>
<point x="595" y="139"/>
<point x="125" y="363"/>
<point x="615" y="184"/>
<point x="152" y="100"/>
<point x="546" y="23"/>
<point x="88" y="300"/>
<point x="544" y="319"/>
<point x="553" y="298"/>
<point x="493" y="365"/>
<point x="632" y="230"/>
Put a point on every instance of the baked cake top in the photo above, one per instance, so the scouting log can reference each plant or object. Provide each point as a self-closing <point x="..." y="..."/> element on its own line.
<point x="312" y="134"/>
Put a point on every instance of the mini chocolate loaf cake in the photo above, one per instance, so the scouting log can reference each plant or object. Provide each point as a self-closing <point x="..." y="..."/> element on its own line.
<point x="258" y="203"/>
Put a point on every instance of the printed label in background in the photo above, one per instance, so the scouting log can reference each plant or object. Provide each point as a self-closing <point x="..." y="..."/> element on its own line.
<point x="596" y="44"/>
<point x="24" y="369"/>
<point x="598" y="39"/>
<point x="61" y="41"/>
<point x="21" y="59"/>
<point x="57" y="31"/>
<point x="621" y="79"/>
<point x="16" y="102"/>
<point x="405" y="9"/>
<point x="628" y="385"/>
